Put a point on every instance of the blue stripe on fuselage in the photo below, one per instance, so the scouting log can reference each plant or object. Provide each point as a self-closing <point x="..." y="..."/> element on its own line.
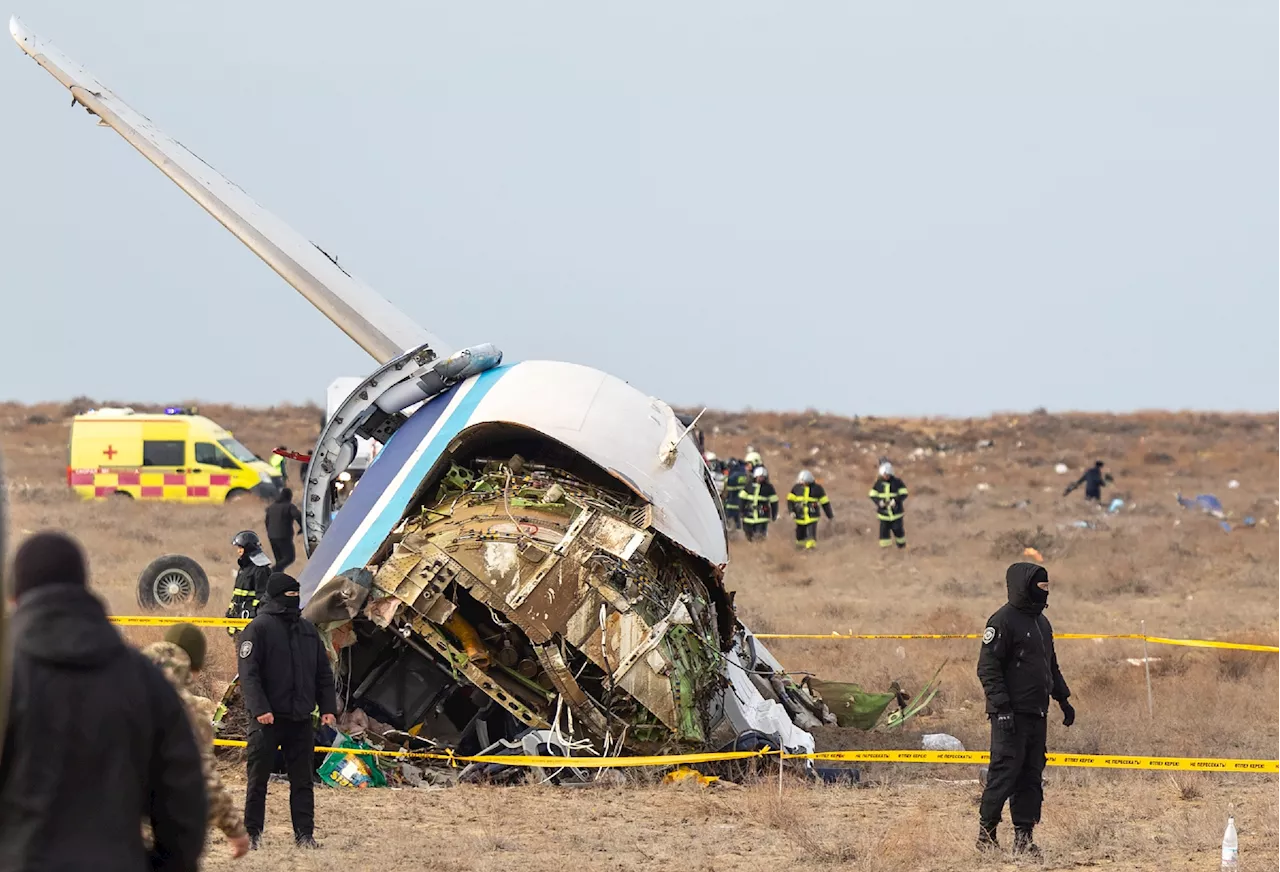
<point x="381" y="475"/>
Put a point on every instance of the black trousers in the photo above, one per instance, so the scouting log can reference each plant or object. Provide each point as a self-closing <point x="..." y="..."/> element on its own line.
<point x="756" y="531"/>
<point x="296" y="739"/>
<point x="894" y="529"/>
<point x="1015" y="773"/>
<point x="284" y="552"/>
<point x="733" y="518"/>
<point x="807" y="532"/>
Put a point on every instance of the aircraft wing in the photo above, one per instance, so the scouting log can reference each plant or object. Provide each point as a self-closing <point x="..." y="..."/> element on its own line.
<point x="375" y="324"/>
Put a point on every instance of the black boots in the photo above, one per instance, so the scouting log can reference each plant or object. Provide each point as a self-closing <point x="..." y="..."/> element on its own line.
<point x="306" y="841"/>
<point x="1024" y="847"/>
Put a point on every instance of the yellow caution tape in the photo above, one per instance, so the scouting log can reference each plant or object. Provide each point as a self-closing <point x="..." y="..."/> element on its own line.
<point x="1155" y="640"/>
<point x="164" y="621"/>
<point x="150" y="621"/>
<point x="1097" y="761"/>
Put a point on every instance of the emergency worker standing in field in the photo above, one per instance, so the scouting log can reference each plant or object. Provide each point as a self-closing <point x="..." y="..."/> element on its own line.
<point x="735" y="482"/>
<point x="284" y="675"/>
<point x="759" y="505"/>
<point x="181" y="657"/>
<point x="807" y="501"/>
<point x="278" y="468"/>
<point x="889" y="494"/>
<point x="251" y="578"/>
<point x="282" y="516"/>
<point x="1019" y="672"/>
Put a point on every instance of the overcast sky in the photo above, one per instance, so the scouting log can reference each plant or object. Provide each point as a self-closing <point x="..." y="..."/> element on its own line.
<point x="866" y="208"/>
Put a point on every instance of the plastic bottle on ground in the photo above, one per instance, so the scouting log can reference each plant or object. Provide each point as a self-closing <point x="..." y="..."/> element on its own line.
<point x="1230" y="846"/>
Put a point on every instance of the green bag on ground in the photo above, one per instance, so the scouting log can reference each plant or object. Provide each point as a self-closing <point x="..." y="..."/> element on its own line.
<point x="341" y="769"/>
<point x="852" y="706"/>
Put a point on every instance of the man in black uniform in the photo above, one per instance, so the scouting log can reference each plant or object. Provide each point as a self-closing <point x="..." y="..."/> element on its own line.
<point x="282" y="515"/>
<point x="889" y="494"/>
<point x="285" y="675"/>
<point x="808" y="500"/>
<point x="1093" y="480"/>
<point x="251" y="578"/>
<point x="1019" y="673"/>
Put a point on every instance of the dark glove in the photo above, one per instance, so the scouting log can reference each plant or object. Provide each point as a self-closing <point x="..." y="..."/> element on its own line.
<point x="1068" y="713"/>
<point x="1005" y="721"/>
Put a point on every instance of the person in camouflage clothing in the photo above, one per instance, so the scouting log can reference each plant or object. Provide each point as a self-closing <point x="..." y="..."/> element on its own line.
<point x="179" y="656"/>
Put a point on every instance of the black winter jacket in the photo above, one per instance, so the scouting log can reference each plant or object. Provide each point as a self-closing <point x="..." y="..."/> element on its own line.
<point x="1017" y="665"/>
<point x="282" y="515"/>
<point x="283" y="665"/>
<point x="97" y="742"/>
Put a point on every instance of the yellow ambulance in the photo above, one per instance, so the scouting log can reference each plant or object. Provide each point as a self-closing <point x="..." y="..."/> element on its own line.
<point x="174" y="456"/>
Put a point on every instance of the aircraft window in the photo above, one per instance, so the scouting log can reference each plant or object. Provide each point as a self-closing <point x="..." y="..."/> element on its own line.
<point x="164" y="453"/>
<point x="208" y="453"/>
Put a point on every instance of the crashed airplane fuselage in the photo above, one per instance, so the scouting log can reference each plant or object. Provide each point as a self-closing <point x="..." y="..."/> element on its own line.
<point x="537" y="545"/>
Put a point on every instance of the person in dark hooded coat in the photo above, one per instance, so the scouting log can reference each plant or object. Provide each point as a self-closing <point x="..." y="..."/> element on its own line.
<point x="97" y="739"/>
<point x="1019" y="672"/>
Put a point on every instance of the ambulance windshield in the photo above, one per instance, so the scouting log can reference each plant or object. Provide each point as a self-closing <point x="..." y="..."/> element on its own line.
<point x="238" y="451"/>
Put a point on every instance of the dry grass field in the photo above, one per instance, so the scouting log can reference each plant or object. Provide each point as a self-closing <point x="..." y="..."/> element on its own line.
<point x="982" y="490"/>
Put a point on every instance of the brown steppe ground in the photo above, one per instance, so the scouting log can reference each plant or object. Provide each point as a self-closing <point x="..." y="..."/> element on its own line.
<point x="972" y="511"/>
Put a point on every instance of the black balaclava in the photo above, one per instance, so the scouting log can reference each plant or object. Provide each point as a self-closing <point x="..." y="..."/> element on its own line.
<point x="1021" y="580"/>
<point x="280" y="586"/>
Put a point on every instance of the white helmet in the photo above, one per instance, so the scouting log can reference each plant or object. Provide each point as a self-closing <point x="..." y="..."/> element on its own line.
<point x="805" y="477"/>
<point x="760" y="472"/>
<point x="753" y="457"/>
<point x="886" y="468"/>
<point x="709" y="457"/>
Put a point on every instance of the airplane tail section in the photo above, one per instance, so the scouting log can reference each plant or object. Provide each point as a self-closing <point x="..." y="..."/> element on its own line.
<point x="374" y="323"/>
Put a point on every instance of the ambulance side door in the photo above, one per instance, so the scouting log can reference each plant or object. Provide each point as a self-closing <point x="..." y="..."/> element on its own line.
<point x="164" y="462"/>
<point x="213" y="470"/>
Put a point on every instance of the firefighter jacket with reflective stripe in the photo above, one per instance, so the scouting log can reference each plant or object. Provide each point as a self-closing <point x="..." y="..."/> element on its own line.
<point x="734" y="484"/>
<point x="889" y="495"/>
<point x="759" y="503"/>
<point x="808" y="502"/>
<point x="250" y="588"/>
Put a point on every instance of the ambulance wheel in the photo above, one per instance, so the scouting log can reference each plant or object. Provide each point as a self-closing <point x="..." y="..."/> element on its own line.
<point x="235" y="495"/>
<point x="171" y="583"/>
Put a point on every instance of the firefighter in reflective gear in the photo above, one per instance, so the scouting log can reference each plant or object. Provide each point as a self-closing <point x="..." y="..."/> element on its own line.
<point x="735" y="482"/>
<point x="890" y="496"/>
<point x="807" y="501"/>
<point x="276" y="462"/>
<point x="251" y="579"/>
<point x="759" y="505"/>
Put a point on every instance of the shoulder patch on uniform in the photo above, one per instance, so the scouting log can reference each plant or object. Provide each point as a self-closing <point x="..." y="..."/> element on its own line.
<point x="986" y="637"/>
<point x="246" y="648"/>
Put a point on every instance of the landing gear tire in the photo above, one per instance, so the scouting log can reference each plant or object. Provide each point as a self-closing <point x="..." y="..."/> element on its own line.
<point x="172" y="583"/>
